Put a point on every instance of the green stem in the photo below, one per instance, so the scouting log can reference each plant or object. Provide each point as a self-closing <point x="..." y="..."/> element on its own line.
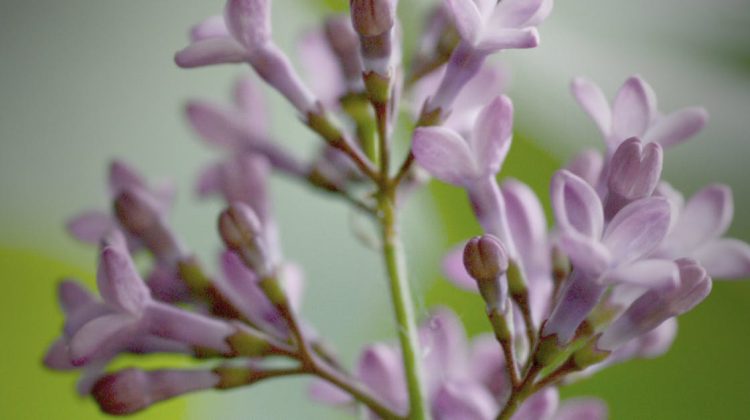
<point x="402" y="302"/>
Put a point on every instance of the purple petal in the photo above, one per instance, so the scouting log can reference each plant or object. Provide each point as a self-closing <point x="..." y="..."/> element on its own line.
<point x="122" y="176"/>
<point x="209" y="181"/>
<point x="118" y="281"/>
<point x="586" y="254"/>
<point x="459" y="401"/>
<point x="101" y="336"/>
<point x="249" y="21"/>
<point x="492" y="135"/>
<point x="466" y="17"/>
<point x="209" y="52"/>
<point x="57" y="356"/>
<point x="582" y="409"/>
<point x="250" y="100"/>
<point x="647" y="273"/>
<point x="633" y="109"/>
<point x="380" y="369"/>
<point x="706" y="216"/>
<point x="505" y="39"/>
<point x="325" y="393"/>
<point x="591" y="98"/>
<point x="637" y="229"/>
<point x="90" y="227"/>
<point x="588" y="166"/>
<point x="166" y="285"/>
<point x="657" y="341"/>
<point x="72" y="296"/>
<point x="217" y="125"/>
<point x="576" y="205"/>
<point x="455" y="271"/>
<point x="293" y="282"/>
<point x="528" y="226"/>
<point x="326" y="80"/>
<point x="515" y="13"/>
<point x="172" y="323"/>
<point x="487" y="365"/>
<point x="725" y="258"/>
<point x="677" y="127"/>
<point x="539" y="406"/>
<point x="445" y="350"/>
<point x="212" y="27"/>
<point x="445" y="155"/>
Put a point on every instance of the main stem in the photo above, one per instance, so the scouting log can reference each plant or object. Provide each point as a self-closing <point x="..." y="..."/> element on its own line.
<point x="402" y="304"/>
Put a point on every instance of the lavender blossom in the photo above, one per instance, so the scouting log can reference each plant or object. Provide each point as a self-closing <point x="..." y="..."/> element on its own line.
<point x="633" y="113"/>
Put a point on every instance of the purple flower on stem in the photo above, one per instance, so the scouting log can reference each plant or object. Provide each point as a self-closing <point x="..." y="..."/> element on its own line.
<point x="698" y="229"/>
<point x="634" y="173"/>
<point x="633" y="113"/>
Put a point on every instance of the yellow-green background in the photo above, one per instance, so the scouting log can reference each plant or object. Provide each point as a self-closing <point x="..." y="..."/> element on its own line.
<point x="84" y="80"/>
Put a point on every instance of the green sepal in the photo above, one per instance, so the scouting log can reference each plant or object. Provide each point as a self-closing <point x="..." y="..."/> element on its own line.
<point x="246" y="344"/>
<point x="321" y="123"/>
<point x="589" y="355"/>
<point x="274" y="292"/>
<point x="378" y="87"/>
<point x="516" y="280"/>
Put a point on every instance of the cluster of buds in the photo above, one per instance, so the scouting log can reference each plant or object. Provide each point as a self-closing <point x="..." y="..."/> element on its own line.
<point x="627" y="254"/>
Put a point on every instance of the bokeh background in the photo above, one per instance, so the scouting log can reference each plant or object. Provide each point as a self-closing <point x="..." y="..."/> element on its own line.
<point x="86" y="80"/>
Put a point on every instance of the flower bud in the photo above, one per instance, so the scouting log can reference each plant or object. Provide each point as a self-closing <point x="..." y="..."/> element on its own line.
<point x="634" y="173"/>
<point x="132" y="390"/>
<point x="139" y="213"/>
<point x="345" y="45"/>
<point x="486" y="260"/>
<point x="242" y="233"/>
<point x="372" y="17"/>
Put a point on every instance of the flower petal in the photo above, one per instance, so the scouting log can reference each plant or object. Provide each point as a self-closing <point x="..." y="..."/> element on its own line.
<point x="463" y="401"/>
<point x="647" y="273"/>
<point x="90" y="227"/>
<point x="72" y="295"/>
<point x="325" y="393"/>
<point x="539" y="406"/>
<point x="588" y="166"/>
<point x="528" y="226"/>
<point x="250" y="100"/>
<point x="487" y="365"/>
<point x="576" y="205"/>
<point x="122" y="176"/>
<point x="211" y="27"/>
<point x="217" y="125"/>
<point x="514" y="13"/>
<point x="445" y="155"/>
<point x="380" y="369"/>
<point x="725" y="258"/>
<point x="293" y="281"/>
<point x="706" y="216"/>
<point x="586" y="254"/>
<point x="637" y="229"/>
<point x="249" y="21"/>
<point x="505" y="39"/>
<point x="492" y="135"/>
<point x="209" y="52"/>
<point x="466" y="17"/>
<point x="101" y="337"/>
<point x="445" y="350"/>
<point x="118" y="281"/>
<point x="591" y="98"/>
<point x="633" y="109"/>
<point x="677" y="127"/>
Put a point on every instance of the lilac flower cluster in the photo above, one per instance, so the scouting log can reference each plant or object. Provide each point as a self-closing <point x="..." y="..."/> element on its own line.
<point x="627" y="254"/>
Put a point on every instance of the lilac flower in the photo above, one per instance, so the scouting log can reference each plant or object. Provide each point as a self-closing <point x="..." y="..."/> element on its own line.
<point x="634" y="172"/>
<point x="633" y="113"/>
<point x="92" y="226"/>
<point x="374" y="21"/>
<point x="602" y="256"/>
<point x="486" y="27"/>
<point x="130" y="312"/>
<point x="132" y="390"/>
<point x="245" y="36"/>
<point x="698" y="229"/>
<point x="657" y="305"/>
<point x="486" y="260"/>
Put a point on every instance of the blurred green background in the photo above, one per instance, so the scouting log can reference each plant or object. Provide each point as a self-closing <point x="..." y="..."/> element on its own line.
<point x="85" y="80"/>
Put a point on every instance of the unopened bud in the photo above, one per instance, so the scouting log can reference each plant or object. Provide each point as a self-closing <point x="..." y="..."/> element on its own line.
<point x="634" y="173"/>
<point x="139" y="213"/>
<point x="486" y="260"/>
<point x="242" y="233"/>
<point x="372" y="17"/>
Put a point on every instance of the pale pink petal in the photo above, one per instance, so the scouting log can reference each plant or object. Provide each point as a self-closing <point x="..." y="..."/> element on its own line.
<point x="72" y="295"/>
<point x="455" y="271"/>
<point x="677" y="127"/>
<point x="528" y="225"/>
<point x="588" y="166"/>
<point x="209" y="181"/>
<point x="586" y="254"/>
<point x="466" y="17"/>
<point x="647" y="273"/>
<point x="706" y="216"/>
<point x="444" y="346"/>
<point x="101" y="336"/>
<point x="591" y="98"/>
<point x="293" y="281"/>
<point x="216" y="124"/>
<point x="632" y="110"/>
<point x="514" y="13"/>
<point x="209" y="52"/>
<point x="90" y="227"/>
<point x="487" y="365"/>
<point x="249" y="21"/>
<point x="504" y="39"/>
<point x="539" y="406"/>
<point x="326" y="80"/>
<point x="637" y="229"/>
<point x="123" y="176"/>
<point x="463" y="401"/>
<point x="118" y="281"/>
<point x="380" y="370"/>
<point x="492" y="135"/>
<point x="542" y="13"/>
<point x="445" y="155"/>
<point x="57" y="356"/>
<point x="212" y="27"/>
<point x="725" y="258"/>
<point x="576" y="205"/>
<point x="582" y="409"/>
<point x="250" y="100"/>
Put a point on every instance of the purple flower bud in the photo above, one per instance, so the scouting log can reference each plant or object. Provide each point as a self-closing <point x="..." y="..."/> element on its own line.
<point x="131" y="390"/>
<point x="242" y="233"/>
<point x="486" y="260"/>
<point x="139" y="213"/>
<point x="372" y="17"/>
<point x="658" y="305"/>
<point x="634" y="172"/>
